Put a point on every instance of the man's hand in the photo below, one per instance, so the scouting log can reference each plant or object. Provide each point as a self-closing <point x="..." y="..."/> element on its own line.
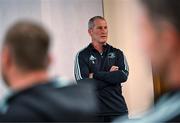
<point x="114" y="68"/>
<point x="91" y="75"/>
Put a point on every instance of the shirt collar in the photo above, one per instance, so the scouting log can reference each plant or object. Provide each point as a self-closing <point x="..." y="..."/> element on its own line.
<point x="105" y="46"/>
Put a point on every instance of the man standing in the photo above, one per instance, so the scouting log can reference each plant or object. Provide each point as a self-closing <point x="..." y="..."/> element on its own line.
<point x="35" y="96"/>
<point x="108" y="65"/>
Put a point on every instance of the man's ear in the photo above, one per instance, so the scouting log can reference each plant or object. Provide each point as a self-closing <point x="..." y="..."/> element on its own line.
<point x="90" y="31"/>
<point x="170" y="37"/>
<point x="6" y="58"/>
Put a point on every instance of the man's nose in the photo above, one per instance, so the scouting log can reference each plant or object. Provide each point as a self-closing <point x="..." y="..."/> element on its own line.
<point x="104" y="30"/>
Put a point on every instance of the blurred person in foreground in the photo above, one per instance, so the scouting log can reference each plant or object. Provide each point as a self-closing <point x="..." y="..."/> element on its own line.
<point x="35" y="96"/>
<point x="105" y="66"/>
<point x="161" y="41"/>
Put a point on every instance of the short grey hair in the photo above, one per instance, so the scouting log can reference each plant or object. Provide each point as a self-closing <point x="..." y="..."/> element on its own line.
<point x="91" y="21"/>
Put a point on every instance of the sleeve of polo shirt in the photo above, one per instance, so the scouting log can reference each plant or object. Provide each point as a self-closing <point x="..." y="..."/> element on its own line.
<point x="115" y="77"/>
<point x="81" y="70"/>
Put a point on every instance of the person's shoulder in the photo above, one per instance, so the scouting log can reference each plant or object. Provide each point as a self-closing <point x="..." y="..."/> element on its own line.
<point x="22" y="106"/>
<point x="117" y="50"/>
<point x="77" y="102"/>
<point x="31" y="94"/>
<point x="84" y="51"/>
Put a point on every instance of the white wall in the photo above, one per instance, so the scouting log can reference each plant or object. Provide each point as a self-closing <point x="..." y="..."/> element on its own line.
<point x="65" y="19"/>
<point x="122" y="17"/>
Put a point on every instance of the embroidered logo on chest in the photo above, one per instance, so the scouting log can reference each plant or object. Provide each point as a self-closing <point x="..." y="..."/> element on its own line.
<point x="111" y="55"/>
<point x="92" y="59"/>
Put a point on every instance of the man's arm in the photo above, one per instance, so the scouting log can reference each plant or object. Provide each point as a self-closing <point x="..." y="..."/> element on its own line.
<point x="81" y="70"/>
<point x="119" y="73"/>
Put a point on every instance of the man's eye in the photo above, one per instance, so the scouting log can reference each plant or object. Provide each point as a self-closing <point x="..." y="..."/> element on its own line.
<point x="101" y="27"/>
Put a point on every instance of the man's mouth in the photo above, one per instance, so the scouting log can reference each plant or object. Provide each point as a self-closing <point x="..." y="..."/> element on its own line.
<point x="103" y="36"/>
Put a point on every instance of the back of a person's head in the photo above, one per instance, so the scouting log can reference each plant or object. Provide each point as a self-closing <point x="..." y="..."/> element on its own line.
<point x="28" y="43"/>
<point x="168" y="10"/>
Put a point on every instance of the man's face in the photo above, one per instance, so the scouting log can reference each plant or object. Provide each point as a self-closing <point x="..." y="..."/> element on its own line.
<point x="155" y="43"/>
<point x="99" y="32"/>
